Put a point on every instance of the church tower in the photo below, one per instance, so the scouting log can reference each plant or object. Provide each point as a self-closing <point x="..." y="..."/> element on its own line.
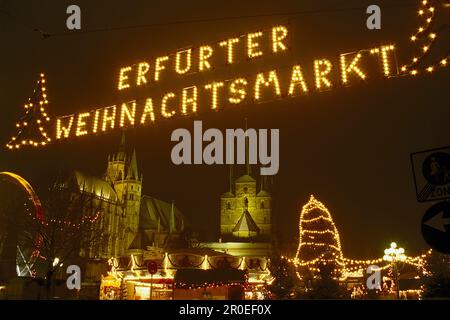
<point x="245" y="211"/>
<point x="122" y="173"/>
<point x="117" y="163"/>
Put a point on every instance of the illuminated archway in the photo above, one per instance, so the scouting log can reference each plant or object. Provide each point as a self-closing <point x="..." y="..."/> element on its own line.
<point x="26" y="186"/>
<point x="27" y="260"/>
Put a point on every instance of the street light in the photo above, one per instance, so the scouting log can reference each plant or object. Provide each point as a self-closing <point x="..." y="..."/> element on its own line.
<point x="395" y="255"/>
<point x="55" y="261"/>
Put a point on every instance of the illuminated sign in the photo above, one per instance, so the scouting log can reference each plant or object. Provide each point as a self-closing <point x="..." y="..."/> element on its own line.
<point x="318" y="75"/>
<point x="217" y="94"/>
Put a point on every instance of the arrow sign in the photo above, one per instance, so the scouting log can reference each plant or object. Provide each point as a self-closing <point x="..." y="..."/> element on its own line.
<point x="436" y="227"/>
<point x="438" y="222"/>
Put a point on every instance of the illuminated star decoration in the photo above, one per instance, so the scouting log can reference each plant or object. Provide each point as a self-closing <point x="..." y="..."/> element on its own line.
<point x="31" y="127"/>
<point x="426" y="38"/>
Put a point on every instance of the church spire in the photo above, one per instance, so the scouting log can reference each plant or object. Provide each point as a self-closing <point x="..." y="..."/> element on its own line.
<point x="231" y="178"/>
<point x="247" y="142"/>
<point x="122" y="141"/>
<point x="122" y="149"/>
<point x="133" y="169"/>
<point x="265" y="183"/>
<point x="172" y="219"/>
<point x="230" y="172"/>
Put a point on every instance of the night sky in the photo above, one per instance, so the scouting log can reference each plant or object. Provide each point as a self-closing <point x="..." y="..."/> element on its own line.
<point x="350" y="146"/>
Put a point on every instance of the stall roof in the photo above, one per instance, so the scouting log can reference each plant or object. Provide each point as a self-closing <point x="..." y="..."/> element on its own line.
<point x="200" y="251"/>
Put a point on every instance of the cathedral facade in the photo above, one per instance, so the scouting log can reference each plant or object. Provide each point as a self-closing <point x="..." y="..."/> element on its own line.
<point x="129" y="221"/>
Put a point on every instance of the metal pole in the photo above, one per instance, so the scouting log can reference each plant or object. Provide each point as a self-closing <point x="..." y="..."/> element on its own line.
<point x="397" y="282"/>
<point x="151" y="286"/>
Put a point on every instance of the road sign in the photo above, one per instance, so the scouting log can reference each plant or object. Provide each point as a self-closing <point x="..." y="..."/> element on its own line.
<point x="431" y="170"/>
<point x="152" y="267"/>
<point x="436" y="227"/>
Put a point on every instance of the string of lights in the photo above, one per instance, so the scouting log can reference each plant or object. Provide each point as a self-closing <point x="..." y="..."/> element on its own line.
<point x="427" y="38"/>
<point x="66" y="223"/>
<point x="209" y="285"/>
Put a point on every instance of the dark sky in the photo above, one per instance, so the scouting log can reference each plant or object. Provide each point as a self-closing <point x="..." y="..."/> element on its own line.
<point x="350" y="146"/>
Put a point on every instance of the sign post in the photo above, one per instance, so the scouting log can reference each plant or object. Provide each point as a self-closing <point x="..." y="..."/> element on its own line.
<point x="431" y="171"/>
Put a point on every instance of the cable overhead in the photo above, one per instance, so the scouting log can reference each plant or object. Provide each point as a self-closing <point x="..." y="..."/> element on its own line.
<point x="45" y="34"/>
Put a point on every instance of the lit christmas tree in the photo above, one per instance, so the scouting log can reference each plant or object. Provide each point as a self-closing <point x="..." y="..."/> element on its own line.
<point x="319" y="242"/>
<point x="31" y="127"/>
<point x="436" y="280"/>
<point x="285" y="283"/>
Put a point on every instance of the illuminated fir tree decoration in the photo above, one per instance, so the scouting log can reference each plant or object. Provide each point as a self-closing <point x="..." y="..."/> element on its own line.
<point x="425" y="38"/>
<point x="319" y="241"/>
<point x="32" y="126"/>
<point x="319" y="246"/>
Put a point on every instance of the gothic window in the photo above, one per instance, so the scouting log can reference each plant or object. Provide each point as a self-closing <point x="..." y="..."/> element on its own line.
<point x="245" y="189"/>
<point x="228" y="205"/>
<point x="120" y="175"/>
<point x="262" y="205"/>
